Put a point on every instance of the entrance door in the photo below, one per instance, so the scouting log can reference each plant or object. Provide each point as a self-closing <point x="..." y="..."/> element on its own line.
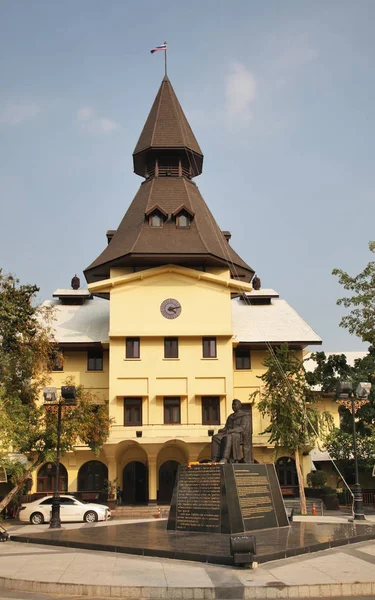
<point x="167" y="477"/>
<point x="135" y="483"/>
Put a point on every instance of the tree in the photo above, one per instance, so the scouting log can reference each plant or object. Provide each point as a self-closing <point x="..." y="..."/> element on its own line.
<point x="339" y="444"/>
<point x="287" y="400"/>
<point x="361" y="319"/>
<point x="329" y="371"/>
<point x="339" y="441"/>
<point x="26" y="340"/>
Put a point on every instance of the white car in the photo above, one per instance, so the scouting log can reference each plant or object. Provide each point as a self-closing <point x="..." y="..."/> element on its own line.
<point x="71" y="509"/>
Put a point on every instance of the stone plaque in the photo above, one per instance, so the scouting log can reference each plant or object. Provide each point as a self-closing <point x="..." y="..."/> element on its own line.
<point x="254" y="495"/>
<point x="198" y="498"/>
<point x="230" y="498"/>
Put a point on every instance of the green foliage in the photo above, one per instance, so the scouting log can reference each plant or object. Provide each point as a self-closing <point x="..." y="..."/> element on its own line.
<point x="288" y="401"/>
<point x="25" y="332"/>
<point x="317" y="479"/>
<point x="27" y="426"/>
<point x="361" y="319"/>
<point x="339" y="444"/>
<point x="363" y="370"/>
<point x="14" y="468"/>
<point x="110" y="486"/>
<point x="329" y="371"/>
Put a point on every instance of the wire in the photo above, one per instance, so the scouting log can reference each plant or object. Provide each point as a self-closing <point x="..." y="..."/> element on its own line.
<point x="233" y="269"/>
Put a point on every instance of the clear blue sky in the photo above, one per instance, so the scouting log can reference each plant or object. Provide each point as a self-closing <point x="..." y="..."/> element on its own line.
<point x="280" y="95"/>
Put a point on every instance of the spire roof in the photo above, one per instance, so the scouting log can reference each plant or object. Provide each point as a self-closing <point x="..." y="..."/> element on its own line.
<point x="136" y="243"/>
<point x="167" y="128"/>
<point x="168" y="221"/>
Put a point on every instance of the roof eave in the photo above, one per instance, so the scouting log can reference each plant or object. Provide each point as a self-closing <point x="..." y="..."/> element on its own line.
<point x="108" y="284"/>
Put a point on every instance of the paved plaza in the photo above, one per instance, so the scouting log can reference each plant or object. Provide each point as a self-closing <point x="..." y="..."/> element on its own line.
<point x="346" y="571"/>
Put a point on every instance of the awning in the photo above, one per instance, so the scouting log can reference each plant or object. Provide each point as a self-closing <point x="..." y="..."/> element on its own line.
<point x="320" y="455"/>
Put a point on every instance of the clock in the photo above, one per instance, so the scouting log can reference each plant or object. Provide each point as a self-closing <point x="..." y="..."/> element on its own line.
<point x="170" y="308"/>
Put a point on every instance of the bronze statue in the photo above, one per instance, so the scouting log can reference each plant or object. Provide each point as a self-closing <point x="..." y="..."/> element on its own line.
<point x="237" y="432"/>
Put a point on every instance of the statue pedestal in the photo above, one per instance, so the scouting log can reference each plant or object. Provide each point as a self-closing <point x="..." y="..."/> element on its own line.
<point x="230" y="498"/>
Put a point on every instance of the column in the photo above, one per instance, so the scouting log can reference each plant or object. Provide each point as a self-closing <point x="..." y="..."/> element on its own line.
<point x="152" y="480"/>
<point x="110" y="452"/>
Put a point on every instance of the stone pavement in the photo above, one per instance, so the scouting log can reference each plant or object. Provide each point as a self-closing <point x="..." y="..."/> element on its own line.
<point x="346" y="571"/>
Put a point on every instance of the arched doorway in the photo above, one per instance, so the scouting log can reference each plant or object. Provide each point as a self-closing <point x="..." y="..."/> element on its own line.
<point x="135" y="483"/>
<point x="286" y="471"/>
<point x="92" y="476"/>
<point x="47" y="477"/>
<point x="167" y="477"/>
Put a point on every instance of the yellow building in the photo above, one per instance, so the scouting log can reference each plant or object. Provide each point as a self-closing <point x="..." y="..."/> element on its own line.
<point x="170" y="329"/>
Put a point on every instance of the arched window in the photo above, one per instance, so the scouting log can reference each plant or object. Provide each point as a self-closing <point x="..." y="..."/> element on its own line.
<point x="286" y="471"/>
<point x="92" y="476"/>
<point x="47" y="477"/>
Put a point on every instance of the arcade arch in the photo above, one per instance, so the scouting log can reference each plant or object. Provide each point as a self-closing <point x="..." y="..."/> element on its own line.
<point x="92" y="476"/>
<point x="46" y="478"/>
<point x="132" y="472"/>
<point x="170" y="456"/>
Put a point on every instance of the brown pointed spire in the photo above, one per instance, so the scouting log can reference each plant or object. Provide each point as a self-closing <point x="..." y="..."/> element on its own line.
<point x="168" y="221"/>
<point x="167" y="129"/>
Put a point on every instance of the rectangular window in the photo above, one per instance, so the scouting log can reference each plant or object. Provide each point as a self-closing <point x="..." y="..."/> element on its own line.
<point x="170" y="347"/>
<point x="95" y="360"/>
<point x="133" y="346"/>
<point x="210" y="410"/>
<point x="172" y="410"/>
<point x="57" y="360"/>
<point x="243" y="360"/>
<point x="132" y="411"/>
<point x="209" y="347"/>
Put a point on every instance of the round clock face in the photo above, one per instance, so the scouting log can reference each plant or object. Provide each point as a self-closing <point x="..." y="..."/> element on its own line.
<point x="170" y="308"/>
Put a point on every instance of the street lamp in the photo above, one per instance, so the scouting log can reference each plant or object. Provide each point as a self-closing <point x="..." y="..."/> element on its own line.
<point x="67" y="398"/>
<point x="353" y="402"/>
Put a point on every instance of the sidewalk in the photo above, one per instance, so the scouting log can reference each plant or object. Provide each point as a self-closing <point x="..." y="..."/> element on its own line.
<point x="344" y="571"/>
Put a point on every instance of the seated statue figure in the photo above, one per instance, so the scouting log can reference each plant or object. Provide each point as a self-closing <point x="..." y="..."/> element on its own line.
<point x="237" y="432"/>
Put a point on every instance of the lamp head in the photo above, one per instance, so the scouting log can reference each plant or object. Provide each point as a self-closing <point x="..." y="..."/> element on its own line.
<point x="49" y="394"/>
<point x="344" y="389"/>
<point x="363" y="390"/>
<point x="68" y="393"/>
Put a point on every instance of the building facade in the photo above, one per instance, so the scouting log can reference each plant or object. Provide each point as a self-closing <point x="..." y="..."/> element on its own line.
<point x="170" y="328"/>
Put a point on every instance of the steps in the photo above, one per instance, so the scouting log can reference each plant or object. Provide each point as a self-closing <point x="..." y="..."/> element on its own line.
<point x="294" y="503"/>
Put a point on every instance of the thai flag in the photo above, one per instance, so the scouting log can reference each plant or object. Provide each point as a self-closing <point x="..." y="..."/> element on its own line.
<point x="161" y="47"/>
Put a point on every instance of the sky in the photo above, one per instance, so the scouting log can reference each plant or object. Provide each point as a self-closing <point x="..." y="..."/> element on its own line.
<point x="280" y="95"/>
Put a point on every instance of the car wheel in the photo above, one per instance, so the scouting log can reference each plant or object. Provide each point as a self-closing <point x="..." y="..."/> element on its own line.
<point x="90" y="516"/>
<point x="37" y="518"/>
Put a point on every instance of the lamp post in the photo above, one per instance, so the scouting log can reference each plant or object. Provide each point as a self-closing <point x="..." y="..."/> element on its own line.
<point x="353" y="402"/>
<point x="67" y="398"/>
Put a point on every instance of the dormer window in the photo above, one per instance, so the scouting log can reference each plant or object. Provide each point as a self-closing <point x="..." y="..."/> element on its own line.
<point x="183" y="217"/>
<point x="156" y="220"/>
<point x="182" y="220"/>
<point x="156" y="216"/>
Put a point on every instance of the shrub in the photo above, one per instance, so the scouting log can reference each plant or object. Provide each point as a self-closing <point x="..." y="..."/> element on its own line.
<point x="316" y="479"/>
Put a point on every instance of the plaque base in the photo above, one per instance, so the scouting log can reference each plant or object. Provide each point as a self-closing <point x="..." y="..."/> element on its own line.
<point x="230" y="498"/>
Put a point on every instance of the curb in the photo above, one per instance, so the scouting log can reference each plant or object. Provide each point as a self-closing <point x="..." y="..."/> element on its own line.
<point x="275" y="590"/>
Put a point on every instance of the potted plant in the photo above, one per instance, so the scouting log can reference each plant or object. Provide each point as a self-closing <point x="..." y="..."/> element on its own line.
<point x="330" y="498"/>
<point x="110" y="486"/>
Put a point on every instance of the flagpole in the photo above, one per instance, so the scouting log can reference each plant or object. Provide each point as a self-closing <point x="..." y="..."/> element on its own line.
<point x="165" y="59"/>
